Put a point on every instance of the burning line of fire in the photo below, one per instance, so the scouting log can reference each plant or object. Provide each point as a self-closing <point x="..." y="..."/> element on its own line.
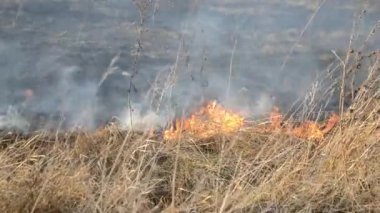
<point x="310" y="130"/>
<point x="213" y="119"/>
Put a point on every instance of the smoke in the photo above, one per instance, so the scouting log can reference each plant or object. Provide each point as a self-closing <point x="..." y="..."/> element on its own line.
<point x="69" y="63"/>
<point x="13" y="120"/>
<point x="141" y="121"/>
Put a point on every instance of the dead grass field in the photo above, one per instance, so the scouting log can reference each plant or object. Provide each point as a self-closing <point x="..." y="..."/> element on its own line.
<point x="113" y="170"/>
<point x="117" y="170"/>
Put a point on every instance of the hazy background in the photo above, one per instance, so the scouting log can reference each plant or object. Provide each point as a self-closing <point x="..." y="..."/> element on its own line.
<point x="55" y="56"/>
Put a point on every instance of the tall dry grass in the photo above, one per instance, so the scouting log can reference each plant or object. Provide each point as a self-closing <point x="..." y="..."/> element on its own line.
<point x="112" y="170"/>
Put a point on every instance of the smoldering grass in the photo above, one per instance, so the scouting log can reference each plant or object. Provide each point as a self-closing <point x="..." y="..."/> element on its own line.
<point x="118" y="170"/>
<point x="114" y="170"/>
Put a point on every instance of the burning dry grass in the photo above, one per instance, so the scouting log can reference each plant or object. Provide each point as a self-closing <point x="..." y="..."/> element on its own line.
<point x="212" y="161"/>
<point x="193" y="167"/>
<point x="117" y="171"/>
<point x="211" y="120"/>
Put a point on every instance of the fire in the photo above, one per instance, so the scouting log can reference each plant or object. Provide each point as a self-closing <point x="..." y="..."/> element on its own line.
<point x="331" y="123"/>
<point x="276" y="118"/>
<point x="210" y="120"/>
<point x="213" y="119"/>
<point x="307" y="130"/>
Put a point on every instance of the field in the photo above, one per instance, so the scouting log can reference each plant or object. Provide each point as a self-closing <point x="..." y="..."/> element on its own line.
<point x="254" y="130"/>
<point x="251" y="170"/>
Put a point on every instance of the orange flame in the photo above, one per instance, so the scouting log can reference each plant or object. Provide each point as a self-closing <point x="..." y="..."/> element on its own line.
<point x="331" y="123"/>
<point x="307" y="130"/>
<point x="213" y="119"/>
<point x="276" y="118"/>
<point x="209" y="121"/>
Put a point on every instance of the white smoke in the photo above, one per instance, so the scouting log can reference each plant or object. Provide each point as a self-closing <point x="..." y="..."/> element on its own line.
<point x="136" y="120"/>
<point x="13" y="120"/>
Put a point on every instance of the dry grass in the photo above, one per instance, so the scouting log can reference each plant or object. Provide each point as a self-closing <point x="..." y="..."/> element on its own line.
<point x="112" y="170"/>
<point x="117" y="171"/>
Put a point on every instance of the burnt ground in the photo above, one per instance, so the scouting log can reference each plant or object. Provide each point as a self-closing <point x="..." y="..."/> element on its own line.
<point x="61" y="49"/>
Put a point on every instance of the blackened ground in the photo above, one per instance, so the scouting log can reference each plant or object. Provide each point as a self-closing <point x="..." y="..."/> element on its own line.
<point x="61" y="49"/>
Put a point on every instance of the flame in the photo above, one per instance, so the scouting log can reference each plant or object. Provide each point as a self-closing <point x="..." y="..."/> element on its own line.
<point x="276" y="118"/>
<point x="210" y="120"/>
<point x="307" y="130"/>
<point x="213" y="119"/>
<point x="331" y="123"/>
